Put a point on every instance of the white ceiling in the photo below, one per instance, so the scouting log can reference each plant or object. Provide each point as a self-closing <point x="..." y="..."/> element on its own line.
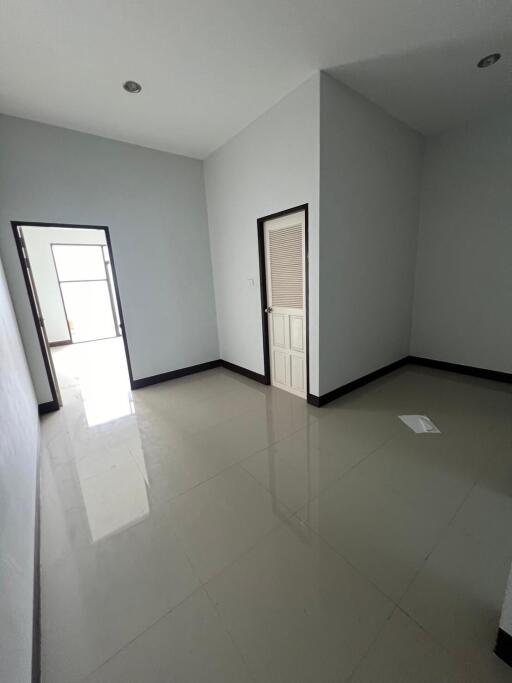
<point x="438" y="87"/>
<point x="210" y="67"/>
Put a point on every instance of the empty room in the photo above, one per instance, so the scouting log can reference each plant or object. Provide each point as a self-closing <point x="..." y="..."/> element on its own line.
<point x="256" y="342"/>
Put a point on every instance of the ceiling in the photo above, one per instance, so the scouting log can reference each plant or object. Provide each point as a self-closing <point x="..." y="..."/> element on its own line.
<point x="210" y="67"/>
<point x="438" y="87"/>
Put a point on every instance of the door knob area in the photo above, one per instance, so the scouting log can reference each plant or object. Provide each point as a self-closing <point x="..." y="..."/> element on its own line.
<point x="268" y="309"/>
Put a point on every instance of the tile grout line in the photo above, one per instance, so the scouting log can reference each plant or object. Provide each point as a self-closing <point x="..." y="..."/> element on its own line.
<point x="445" y="529"/>
<point x="344" y="474"/>
<point x="279" y="523"/>
<point x="325" y="540"/>
<point x="348" y="561"/>
<point x="318" y="450"/>
<point x="451" y="653"/>
<point x="283" y="524"/>
<point x="396" y="602"/>
<point x="147" y="628"/>
<point x="65" y="429"/>
<point x="355" y="465"/>
<point x="303" y="523"/>
<point x="229" y="634"/>
<point x="237" y="463"/>
<point x="168" y="500"/>
<point x="371" y="645"/>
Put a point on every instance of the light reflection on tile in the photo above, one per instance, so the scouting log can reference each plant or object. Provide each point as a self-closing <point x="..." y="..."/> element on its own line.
<point x="115" y="499"/>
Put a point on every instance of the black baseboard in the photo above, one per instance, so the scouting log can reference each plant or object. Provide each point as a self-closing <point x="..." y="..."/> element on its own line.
<point x="243" y="371"/>
<point x="503" y="647"/>
<point x="36" y="596"/>
<point x="311" y="398"/>
<point x="495" y="375"/>
<point x="48" y="407"/>
<point x="355" y="384"/>
<point x="414" y="360"/>
<point x="64" y="342"/>
<point x="174" y="374"/>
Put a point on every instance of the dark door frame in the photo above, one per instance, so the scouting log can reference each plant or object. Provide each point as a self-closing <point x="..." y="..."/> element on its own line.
<point x="263" y="285"/>
<point x="16" y="226"/>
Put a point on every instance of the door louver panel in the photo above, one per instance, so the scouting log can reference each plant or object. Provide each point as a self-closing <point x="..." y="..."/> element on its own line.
<point x="286" y="267"/>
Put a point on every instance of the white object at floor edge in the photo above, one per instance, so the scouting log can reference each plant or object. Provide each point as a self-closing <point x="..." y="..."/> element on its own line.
<point x="421" y="424"/>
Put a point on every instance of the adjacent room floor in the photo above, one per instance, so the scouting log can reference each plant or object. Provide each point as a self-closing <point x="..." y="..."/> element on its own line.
<point x="213" y="530"/>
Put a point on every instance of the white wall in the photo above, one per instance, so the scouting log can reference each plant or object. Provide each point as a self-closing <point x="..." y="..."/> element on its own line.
<point x="38" y="242"/>
<point x="154" y="205"/>
<point x="369" y="190"/>
<point x="463" y="296"/>
<point x="506" y="612"/>
<point x="270" y="166"/>
<point x="19" y="445"/>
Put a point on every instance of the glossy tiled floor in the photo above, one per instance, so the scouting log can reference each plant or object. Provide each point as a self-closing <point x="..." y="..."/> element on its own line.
<point x="212" y="530"/>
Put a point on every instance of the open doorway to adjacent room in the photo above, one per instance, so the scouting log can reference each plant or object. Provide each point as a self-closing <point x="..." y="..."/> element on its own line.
<point x="84" y="277"/>
<point x="72" y="287"/>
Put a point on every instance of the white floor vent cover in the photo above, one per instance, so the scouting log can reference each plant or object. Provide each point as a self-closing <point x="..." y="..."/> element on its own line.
<point x="421" y="424"/>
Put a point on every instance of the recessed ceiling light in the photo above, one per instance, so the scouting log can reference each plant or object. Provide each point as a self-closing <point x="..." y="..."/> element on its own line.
<point x="489" y="60"/>
<point x="132" y="87"/>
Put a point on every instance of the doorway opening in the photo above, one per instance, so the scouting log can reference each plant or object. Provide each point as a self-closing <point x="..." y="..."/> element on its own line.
<point x="84" y="276"/>
<point x="72" y="287"/>
<point x="283" y="257"/>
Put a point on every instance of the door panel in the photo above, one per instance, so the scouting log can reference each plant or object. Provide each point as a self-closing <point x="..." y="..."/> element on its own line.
<point x="297" y="333"/>
<point x="279" y="330"/>
<point x="280" y="363"/>
<point x="285" y="270"/>
<point x="298" y="373"/>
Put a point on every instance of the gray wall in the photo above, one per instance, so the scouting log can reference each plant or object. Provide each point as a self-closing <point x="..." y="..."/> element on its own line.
<point x="270" y="166"/>
<point x="463" y="296"/>
<point x="39" y="241"/>
<point x="369" y="190"/>
<point x="154" y="205"/>
<point x="19" y="445"/>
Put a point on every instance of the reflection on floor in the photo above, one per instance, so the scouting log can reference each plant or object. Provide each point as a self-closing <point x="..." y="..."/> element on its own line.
<point x="97" y="373"/>
<point x="222" y="531"/>
<point x="95" y="388"/>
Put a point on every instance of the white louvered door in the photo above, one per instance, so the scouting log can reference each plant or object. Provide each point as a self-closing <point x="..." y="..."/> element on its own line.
<point x="285" y="268"/>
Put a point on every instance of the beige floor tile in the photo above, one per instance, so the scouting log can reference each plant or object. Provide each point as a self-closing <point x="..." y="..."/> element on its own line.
<point x="296" y="610"/>
<point x="380" y="532"/>
<point x="295" y="470"/>
<point x="457" y="595"/>
<point x="404" y="653"/>
<point x="189" y="645"/>
<point x="104" y="594"/>
<point x="222" y="518"/>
